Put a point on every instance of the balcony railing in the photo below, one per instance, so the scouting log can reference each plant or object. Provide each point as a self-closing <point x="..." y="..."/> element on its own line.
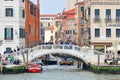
<point x="108" y="20"/>
<point x="82" y="21"/>
<point x="117" y="19"/>
<point x="97" y="20"/>
<point x="118" y="35"/>
<point x="108" y="36"/>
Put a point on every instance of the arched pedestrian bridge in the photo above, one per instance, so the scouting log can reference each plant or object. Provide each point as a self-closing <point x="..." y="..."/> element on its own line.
<point x="86" y="54"/>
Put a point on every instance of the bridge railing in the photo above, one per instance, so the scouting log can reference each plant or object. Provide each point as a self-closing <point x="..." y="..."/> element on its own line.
<point x="58" y="46"/>
<point x="55" y="46"/>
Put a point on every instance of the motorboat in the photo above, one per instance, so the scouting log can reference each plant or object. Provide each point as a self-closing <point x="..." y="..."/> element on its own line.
<point x="34" y="68"/>
<point x="52" y="61"/>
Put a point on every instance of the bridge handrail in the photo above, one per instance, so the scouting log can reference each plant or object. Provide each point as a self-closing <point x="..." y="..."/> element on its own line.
<point x="57" y="46"/>
<point x="84" y="53"/>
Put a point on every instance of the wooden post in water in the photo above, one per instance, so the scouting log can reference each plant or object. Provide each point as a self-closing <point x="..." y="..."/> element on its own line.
<point x="78" y="66"/>
<point x="23" y="58"/>
<point x="27" y="59"/>
<point x="1" y="67"/>
<point x="98" y="60"/>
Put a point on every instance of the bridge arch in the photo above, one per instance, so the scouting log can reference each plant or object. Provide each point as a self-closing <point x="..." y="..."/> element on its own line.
<point x="86" y="55"/>
<point x="45" y="52"/>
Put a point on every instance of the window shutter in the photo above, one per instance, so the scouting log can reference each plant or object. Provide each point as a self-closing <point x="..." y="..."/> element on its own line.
<point x="23" y="13"/>
<point x="6" y="12"/>
<point x="11" y="11"/>
<point x="5" y="33"/>
<point x="12" y="33"/>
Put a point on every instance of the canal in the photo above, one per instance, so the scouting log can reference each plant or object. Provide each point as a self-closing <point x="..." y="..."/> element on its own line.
<point x="60" y="73"/>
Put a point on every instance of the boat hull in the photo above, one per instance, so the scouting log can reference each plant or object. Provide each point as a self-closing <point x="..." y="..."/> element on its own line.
<point x="52" y="62"/>
<point x="34" y="70"/>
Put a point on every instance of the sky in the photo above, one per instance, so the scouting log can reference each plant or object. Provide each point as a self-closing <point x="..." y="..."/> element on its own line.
<point x="51" y="6"/>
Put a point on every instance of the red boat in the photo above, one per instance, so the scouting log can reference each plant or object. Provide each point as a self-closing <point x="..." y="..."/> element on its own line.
<point x="34" y="68"/>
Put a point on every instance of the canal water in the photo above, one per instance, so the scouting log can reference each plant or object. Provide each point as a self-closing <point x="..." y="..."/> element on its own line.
<point x="60" y="73"/>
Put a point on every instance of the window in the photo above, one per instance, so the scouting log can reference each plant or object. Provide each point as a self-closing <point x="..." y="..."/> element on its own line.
<point x="42" y="31"/>
<point x="108" y="32"/>
<point x="22" y="33"/>
<point x="41" y="24"/>
<point x="49" y="24"/>
<point x="108" y="14"/>
<point x="82" y="8"/>
<point x="34" y="13"/>
<point x="57" y="23"/>
<point x="82" y="30"/>
<point x="51" y="31"/>
<point x="68" y="31"/>
<point x="117" y="14"/>
<point x="23" y="13"/>
<point x="22" y="0"/>
<point x="117" y="32"/>
<point x="74" y="32"/>
<point x="9" y="12"/>
<point x="97" y="14"/>
<point x="31" y="9"/>
<point x="8" y="33"/>
<point x="97" y="32"/>
<point x="82" y="21"/>
<point x="88" y="11"/>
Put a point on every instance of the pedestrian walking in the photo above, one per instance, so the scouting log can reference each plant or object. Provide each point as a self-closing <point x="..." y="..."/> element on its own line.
<point x="11" y="59"/>
<point x="0" y="57"/>
<point x="18" y="48"/>
<point x="14" y="50"/>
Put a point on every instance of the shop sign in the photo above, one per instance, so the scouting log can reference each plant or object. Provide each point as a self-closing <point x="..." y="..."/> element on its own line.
<point x="113" y="25"/>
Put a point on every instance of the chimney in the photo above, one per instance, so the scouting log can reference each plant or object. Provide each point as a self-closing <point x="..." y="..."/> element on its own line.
<point x="38" y="3"/>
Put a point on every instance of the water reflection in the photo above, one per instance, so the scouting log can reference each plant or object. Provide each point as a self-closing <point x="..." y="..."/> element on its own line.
<point x="61" y="74"/>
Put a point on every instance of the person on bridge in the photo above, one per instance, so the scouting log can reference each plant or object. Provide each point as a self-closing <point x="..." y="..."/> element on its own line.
<point x="18" y="48"/>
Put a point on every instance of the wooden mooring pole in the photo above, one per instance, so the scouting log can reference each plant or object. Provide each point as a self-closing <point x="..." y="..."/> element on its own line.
<point x="1" y="66"/>
<point x="98" y="61"/>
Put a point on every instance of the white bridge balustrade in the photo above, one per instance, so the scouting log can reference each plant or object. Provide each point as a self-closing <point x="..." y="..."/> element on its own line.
<point x="87" y="55"/>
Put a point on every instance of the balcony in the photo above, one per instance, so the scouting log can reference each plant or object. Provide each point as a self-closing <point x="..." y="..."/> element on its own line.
<point x="109" y="20"/>
<point x="97" y="20"/>
<point x="117" y="19"/>
<point x="118" y="35"/>
<point x="82" y="21"/>
<point x="108" y="36"/>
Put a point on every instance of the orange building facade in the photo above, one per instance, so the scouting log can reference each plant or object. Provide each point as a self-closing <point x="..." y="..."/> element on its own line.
<point x="74" y="25"/>
<point x="32" y="23"/>
<point x="67" y="16"/>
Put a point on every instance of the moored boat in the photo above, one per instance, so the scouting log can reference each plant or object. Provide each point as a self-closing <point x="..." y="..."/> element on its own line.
<point x="34" y="68"/>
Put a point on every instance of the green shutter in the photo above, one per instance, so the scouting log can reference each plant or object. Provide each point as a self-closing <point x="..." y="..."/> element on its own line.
<point x="11" y="11"/>
<point x="23" y="13"/>
<point x="5" y="33"/>
<point x="12" y="33"/>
